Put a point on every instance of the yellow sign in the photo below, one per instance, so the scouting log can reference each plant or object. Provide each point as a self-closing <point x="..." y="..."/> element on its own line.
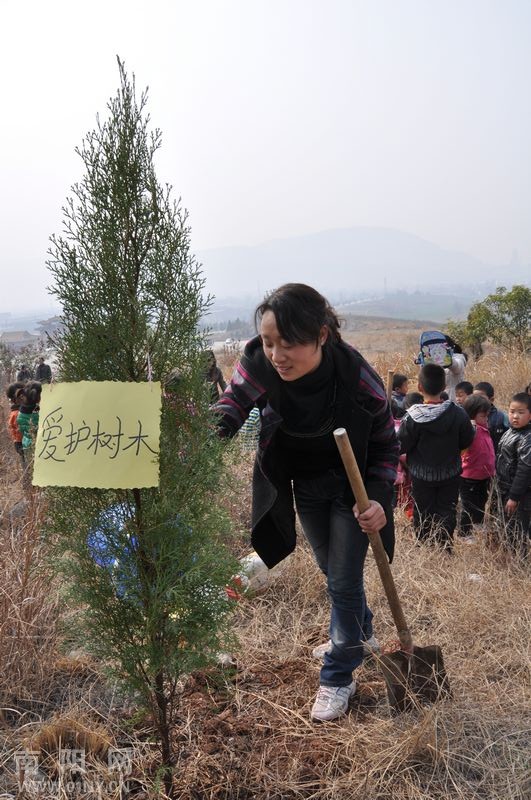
<point x="101" y="434"/>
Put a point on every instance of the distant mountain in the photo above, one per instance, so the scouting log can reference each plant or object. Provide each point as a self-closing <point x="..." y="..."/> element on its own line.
<point x="344" y="261"/>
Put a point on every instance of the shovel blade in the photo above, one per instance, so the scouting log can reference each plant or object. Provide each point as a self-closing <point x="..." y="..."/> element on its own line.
<point x="415" y="679"/>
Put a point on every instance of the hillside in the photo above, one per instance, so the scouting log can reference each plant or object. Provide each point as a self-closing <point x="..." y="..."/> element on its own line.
<point x="349" y="261"/>
<point x="242" y="731"/>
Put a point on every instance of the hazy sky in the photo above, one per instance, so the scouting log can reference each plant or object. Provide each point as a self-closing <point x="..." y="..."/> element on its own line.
<point x="279" y="117"/>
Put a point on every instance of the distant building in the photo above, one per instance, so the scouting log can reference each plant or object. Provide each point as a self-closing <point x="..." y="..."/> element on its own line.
<point x="18" y="340"/>
<point x="50" y="327"/>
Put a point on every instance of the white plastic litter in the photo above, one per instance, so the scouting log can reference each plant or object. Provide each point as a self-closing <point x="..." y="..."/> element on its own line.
<point x="254" y="575"/>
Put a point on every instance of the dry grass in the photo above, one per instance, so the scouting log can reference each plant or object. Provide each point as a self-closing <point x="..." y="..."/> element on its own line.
<point x="28" y="607"/>
<point x="256" y="740"/>
<point x="244" y="733"/>
<point x="393" y="345"/>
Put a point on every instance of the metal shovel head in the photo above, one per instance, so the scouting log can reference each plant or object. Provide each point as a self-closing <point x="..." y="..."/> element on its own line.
<point x="415" y="679"/>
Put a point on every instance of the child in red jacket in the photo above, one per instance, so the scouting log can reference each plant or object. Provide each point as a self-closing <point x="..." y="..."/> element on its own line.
<point x="479" y="466"/>
<point x="12" y="425"/>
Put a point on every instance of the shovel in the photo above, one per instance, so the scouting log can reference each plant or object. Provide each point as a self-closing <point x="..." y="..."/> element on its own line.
<point x="412" y="674"/>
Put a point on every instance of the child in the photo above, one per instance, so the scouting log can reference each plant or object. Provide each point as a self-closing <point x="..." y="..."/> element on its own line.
<point x="478" y="463"/>
<point x="498" y="420"/>
<point x="12" y="425"/>
<point x="413" y="399"/>
<point x="398" y="395"/>
<point x="463" y="390"/>
<point x="433" y="435"/>
<point x="513" y="468"/>
<point x="29" y="398"/>
<point x="403" y="498"/>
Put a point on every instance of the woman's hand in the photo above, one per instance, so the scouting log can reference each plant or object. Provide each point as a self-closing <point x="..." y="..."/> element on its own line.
<point x="373" y="519"/>
<point x="510" y="507"/>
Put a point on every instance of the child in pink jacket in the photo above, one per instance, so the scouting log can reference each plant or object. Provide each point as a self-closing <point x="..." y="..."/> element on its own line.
<point x="479" y="466"/>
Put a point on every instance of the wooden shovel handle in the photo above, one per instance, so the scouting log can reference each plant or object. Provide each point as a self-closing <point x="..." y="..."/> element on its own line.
<point x="380" y="556"/>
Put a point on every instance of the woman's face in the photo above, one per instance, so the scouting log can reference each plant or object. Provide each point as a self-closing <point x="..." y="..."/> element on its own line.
<point x="291" y="360"/>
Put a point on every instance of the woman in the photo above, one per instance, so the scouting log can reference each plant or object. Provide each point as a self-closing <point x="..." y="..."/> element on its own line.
<point x="306" y="382"/>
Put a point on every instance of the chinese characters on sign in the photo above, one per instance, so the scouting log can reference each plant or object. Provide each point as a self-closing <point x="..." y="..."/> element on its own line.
<point x="98" y="434"/>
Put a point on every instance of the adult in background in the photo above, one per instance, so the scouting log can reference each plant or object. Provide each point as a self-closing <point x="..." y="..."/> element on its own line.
<point x="214" y="376"/>
<point x="306" y="381"/>
<point x="455" y="373"/>
<point x="24" y="374"/>
<point x="43" y="373"/>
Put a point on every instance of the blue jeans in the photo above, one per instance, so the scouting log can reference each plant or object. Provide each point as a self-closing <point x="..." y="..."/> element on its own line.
<point x="324" y="505"/>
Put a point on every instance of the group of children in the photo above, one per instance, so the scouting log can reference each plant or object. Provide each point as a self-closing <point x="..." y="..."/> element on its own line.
<point x="452" y="451"/>
<point x="23" y="421"/>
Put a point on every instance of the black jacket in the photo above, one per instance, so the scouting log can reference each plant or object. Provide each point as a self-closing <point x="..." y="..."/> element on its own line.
<point x="43" y="373"/>
<point x="365" y="415"/>
<point x="433" y="436"/>
<point x="513" y="464"/>
<point x="498" y="423"/>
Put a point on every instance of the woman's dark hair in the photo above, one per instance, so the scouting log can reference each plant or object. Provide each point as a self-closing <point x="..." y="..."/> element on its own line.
<point x="475" y="404"/>
<point x="453" y="344"/>
<point x="300" y="313"/>
<point x="455" y="347"/>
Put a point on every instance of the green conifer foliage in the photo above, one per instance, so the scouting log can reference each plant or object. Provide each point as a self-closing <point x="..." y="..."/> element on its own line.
<point x="146" y="568"/>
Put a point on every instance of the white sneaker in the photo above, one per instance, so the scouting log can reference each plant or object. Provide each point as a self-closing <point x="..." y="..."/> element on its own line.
<point x="370" y="647"/>
<point x="332" y="702"/>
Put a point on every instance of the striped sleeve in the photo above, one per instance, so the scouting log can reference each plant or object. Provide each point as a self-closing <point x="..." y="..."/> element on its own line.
<point x="237" y="401"/>
<point x="383" y="448"/>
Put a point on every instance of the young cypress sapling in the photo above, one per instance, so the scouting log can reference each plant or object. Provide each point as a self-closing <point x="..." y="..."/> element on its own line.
<point x="146" y="567"/>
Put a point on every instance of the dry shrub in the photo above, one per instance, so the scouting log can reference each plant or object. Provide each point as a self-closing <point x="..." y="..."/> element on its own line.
<point x="509" y="372"/>
<point x="69" y="731"/>
<point x="78" y="729"/>
<point x="227" y="363"/>
<point x="28" y="603"/>
<point x="237" y="497"/>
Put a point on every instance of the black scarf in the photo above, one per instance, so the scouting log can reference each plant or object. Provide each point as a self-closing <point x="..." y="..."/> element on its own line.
<point x="307" y="404"/>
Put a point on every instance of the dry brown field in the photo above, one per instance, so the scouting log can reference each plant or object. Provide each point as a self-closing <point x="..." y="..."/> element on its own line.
<point x="243" y="732"/>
